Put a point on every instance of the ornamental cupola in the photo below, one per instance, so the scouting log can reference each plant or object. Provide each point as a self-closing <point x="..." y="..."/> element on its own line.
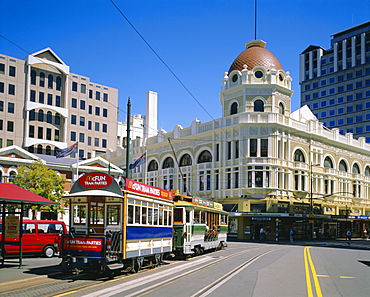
<point x="256" y="82"/>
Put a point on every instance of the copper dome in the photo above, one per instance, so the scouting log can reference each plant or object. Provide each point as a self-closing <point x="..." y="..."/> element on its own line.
<point x="255" y="55"/>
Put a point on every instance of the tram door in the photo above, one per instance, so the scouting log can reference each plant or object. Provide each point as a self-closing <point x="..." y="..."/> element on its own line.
<point x="96" y="214"/>
<point x="113" y="227"/>
<point x="188" y="225"/>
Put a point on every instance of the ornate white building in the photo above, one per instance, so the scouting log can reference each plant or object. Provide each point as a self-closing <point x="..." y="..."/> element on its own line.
<point x="267" y="165"/>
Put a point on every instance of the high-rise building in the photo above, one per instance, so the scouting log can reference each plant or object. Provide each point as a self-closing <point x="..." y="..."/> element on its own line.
<point x="335" y="82"/>
<point x="44" y="107"/>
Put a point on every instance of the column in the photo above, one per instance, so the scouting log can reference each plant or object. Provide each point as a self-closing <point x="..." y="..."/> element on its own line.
<point x="318" y="62"/>
<point x="363" y="39"/>
<point x="335" y="57"/>
<point x="344" y="47"/>
<point x="353" y="50"/>
<point x="28" y="91"/>
<point x="310" y="67"/>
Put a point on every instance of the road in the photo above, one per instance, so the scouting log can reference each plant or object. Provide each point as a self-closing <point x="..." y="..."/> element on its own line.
<point x="242" y="269"/>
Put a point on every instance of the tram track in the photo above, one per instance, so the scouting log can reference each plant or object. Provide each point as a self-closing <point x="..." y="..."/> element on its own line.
<point x="130" y="285"/>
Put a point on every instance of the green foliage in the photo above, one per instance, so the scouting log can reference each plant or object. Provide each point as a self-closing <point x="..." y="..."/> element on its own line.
<point x="39" y="179"/>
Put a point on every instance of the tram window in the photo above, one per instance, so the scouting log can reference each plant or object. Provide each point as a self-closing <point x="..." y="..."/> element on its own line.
<point x="165" y="217"/>
<point x="113" y="215"/>
<point x="187" y="216"/>
<point x="169" y="218"/>
<point x="223" y="219"/>
<point x="196" y="216"/>
<point x="96" y="213"/>
<point x="79" y="214"/>
<point x="143" y="215"/>
<point x="161" y="216"/>
<point x="202" y="217"/>
<point x="137" y="214"/>
<point x="179" y="215"/>
<point x="155" y="222"/>
<point x="150" y="216"/>
<point x="130" y="214"/>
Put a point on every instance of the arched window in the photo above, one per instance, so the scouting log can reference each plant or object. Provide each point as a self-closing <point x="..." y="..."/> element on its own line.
<point x="355" y="169"/>
<point x="39" y="149"/>
<point x="48" y="150"/>
<point x="41" y="115"/>
<point x="185" y="160"/>
<point x="298" y="156"/>
<point x="33" y="77"/>
<point x="343" y="166"/>
<point x="50" y="81"/>
<point x="328" y="163"/>
<point x="204" y="157"/>
<point x="281" y="108"/>
<point x="234" y="108"/>
<point x="153" y="166"/>
<point x="259" y="106"/>
<point x="58" y="83"/>
<point x="32" y="115"/>
<point x="12" y="175"/>
<point x="367" y="171"/>
<point x="168" y="163"/>
<point x="31" y="149"/>
<point x="49" y="117"/>
<point x="57" y="119"/>
<point x="42" y="79"/>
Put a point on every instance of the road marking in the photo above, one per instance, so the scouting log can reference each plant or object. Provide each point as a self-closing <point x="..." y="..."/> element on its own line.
<point x="309" y="265"/>
<point x="64" y="294"/>
<point x="347" y="277"/>
<point x="322" y="275"/>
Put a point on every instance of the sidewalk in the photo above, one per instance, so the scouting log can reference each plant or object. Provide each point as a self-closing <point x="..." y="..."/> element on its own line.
<point x="355" y="243"/>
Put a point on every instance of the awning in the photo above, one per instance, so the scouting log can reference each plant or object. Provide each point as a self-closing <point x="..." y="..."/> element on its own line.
<point x="15" y="194"/>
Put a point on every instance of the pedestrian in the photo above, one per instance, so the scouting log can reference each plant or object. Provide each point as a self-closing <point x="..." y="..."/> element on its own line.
<point x="291" y="235"/>
<point x="262" y="234"/>
<point x="348" y="236"/>
<point x="365" y="233"/>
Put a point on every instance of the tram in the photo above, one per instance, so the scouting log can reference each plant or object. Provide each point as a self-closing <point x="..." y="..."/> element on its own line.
<point x="115" y="228"/>
<point x="199" y="225"/>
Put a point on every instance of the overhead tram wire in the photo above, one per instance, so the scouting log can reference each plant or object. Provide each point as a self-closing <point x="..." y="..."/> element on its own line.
<point x="169" y="69"/>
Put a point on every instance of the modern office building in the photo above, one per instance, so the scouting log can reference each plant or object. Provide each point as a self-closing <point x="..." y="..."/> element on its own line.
<point x="267" y="165"/>
<point x="335" y="82"/>
<point x="44" y="107"/>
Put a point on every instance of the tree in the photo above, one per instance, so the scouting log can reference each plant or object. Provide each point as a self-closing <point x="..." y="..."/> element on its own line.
<point x="39" y="179"/>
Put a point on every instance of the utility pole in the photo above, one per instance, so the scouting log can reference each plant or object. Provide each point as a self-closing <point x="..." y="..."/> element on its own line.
<point x="128" y="175"/>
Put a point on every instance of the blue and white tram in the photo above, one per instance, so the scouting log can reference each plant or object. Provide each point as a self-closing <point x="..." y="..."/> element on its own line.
<point x="113" y="228"/>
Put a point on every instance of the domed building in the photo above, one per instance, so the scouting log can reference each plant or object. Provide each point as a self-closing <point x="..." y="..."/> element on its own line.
<point x="268" y="166"/>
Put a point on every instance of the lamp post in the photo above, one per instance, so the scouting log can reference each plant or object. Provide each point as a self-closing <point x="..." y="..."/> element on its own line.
<point x="311" y="214"/>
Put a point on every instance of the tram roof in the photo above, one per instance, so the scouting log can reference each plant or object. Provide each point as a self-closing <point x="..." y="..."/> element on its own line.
<point x="101" y="193"/>
<point x="198" y="206"/>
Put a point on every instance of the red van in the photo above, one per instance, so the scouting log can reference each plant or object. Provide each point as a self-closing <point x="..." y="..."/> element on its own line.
<point x="39" y="236"/>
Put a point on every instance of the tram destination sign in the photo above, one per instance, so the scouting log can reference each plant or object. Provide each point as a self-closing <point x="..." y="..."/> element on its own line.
<point x="140" y="188"/>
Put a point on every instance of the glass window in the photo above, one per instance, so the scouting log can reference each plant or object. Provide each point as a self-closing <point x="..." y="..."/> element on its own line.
<point x="349" y="75"/>
<point x="90" y="109"/>
<point x="42" y="79"/>
<point x="11" y="89"/>
<point x="57" y="119"/>
<point x="340" y="89"/>
<point x="340" y="78"/>
<point x="340" y="121"/>
<point x="332" y="80"/>
<point x="331" y="101"/>
<point x="10" y="107"/>
<point x="96" y="141"/>
<point x="49" y="117"/>
<point x="307" y="97"/>
<point x="12" y="71"/>
<point x="50" y="81"/>
<point x="359" y="129"/>
<point x="315" y="95"/>
<point x="73" y="119"/>
<point x="323" y="93"/>
<point x="105" y="97"/>
<point x="89" y="125"/>
<point x="350" y="98"/>
<point x="315" y="105"/>
<point x="10" y="126"/>
<point x="104" y="127"/>
<point x="97" y="126"/>
<point x="73" y="136"/>
<point x="83" y="88"/>
<point x="82" y="104"/>
<point x="104" y="143"/>
<point x="323" y="114"/>
<point x="258" y="106"/>
<point x="359" y="119"/>
<point x="33" y="77"/>
<point x="41" y="115"/>
<point x="97" y="111"/>
<point x="82" y="121"/>
<point x="331" y="91"/>
<point x="323" y="82"/>
<point x="58" y="83"/>
<point x="40" y="133"/>
<point x="349" y="87"/>
<point x="81" y="137"/>
<point x="332" y="112"/>
<point x="50" y="99"/>
<point x="74" y="103"/>
<point x="74" y="86"/>
<point x="349" y="109"/>
<point x="350" y="120"/>
<point x="358" y="95"/>
<point x="57" y="101"/>
<point x="97" y="95"/>
<point x="358" y="107"/>
<point x="105" y="112"/>
<point x="41" y="97"/>
<point x="359" y="84"/>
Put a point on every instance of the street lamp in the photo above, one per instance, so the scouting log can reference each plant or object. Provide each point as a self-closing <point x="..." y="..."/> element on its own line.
<point x="311" y="214"/>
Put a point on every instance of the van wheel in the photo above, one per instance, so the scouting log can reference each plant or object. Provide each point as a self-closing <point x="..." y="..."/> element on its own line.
<point x="49" y="251"/>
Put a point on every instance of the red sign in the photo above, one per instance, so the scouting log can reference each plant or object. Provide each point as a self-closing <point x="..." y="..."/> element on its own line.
<point x="84" y="244"/>
<point x="141" y="188"/>
<point x="95" y="180"/>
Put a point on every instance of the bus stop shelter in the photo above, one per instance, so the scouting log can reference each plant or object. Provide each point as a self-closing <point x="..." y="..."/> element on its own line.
<point x="12" y="220"/>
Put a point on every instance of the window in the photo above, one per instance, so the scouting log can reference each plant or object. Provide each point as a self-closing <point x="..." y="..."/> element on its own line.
<point x="89" y="125"/>
<point x="359" y="84"/>
<point x="323" y="114"/>
<point x="350" y="120"/>
<point x="11" y="89"/>
<point x="331" y="91"/>
<point x="73" y="119"/>
<point x="10" y="126"/>
<point x="74" y="86"/>
<point x="153" y="166"/>
<point x="315" y="105"/>
<point x="315" y="85"/>
<point x="104" y="143"/>
<point x="56" y="135"/>
<point x="299" y="156"/>
<point x="50" y="81"/>
<point x="41" y="115"/>
<point x="97" y="97"/>
<point x="73" y="136"/>
<point x="74" y="103"/>
<point x="332" y="80"/>
<point x="349" y="75"/>
<point x="104" y="128"/>
<point x="57" y="101"/>
<point x="88" y="140"/>
<point x="82" y="121"/>
<point x="315" y="95"/>
<point x="359" y="129"/>
<point x="97" y="111"/>
<point x="359" y="119"/>
<point x="97" y="126"/>
<point x="340" y="89"/>
<point x="332" y="112"/>
<point x="258" y="106"/>
<point x="82" y="104"/>
<point x="253" y="148"/>
<point x="58" y="83"/>
<point x="340" y="99"/>
<point x="41" y="97"/>
<point x="349" y="98"/>
<point x="2" y="68"/>
<point x="81" y="137"/>
<point x="358" y="73"/>
<point x="323" y="82"/>
<point x="50" y="99"/>
<point x="31" y="132"/>
<point x="83" y="88"/>
<point x="105" y="97"/>
<point x="90" y="94"/>
<point x="40" y="132"/>
<point x="42" y="79"/>
<point x="234" y="108"/>
<point x="204" y="157"/>
<point x="185" y="160"/>
<point x="57" y="119"/>
<point x="33" y="77"/>
<point x="323" y="103"/>
<point x="307" y="97"/>
<point x="10" y="107"/>
<point x="105" y="112"/>
<point x="49" y="117"/>
<point x="340" y="121"/>
<point x="349" y="109"/>
<point x="32" y="115"/>
<point x="96" y="141"/>
<point x="90" y="109"/>
<point x="323" y="93"/>
<point x="343" y="166"/>
<point x="331" y="123"/>
<point x="12" y="71"/>
<point x="349" y="87"/>
<point x="332" y="102"/>
<point x="48" y="134"/>
<point x="358" y="95"/>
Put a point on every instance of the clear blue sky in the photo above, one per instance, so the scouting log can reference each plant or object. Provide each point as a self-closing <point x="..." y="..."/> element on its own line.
<point x="198" y="40"/>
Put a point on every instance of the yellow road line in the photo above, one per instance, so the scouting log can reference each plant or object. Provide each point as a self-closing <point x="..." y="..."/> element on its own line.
<point x="322" y="275"/>
<point x="308" y="259"/>
<point x="347" y="277"/>
<point x="67" y="293"/>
